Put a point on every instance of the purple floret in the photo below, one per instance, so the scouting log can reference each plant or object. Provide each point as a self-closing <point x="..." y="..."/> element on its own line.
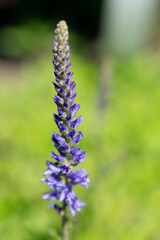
<point x="80" y="177"/>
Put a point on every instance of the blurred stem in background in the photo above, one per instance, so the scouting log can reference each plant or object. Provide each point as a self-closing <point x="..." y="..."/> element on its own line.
<point x="105" y="76"/>
<point x="126" y="27"/>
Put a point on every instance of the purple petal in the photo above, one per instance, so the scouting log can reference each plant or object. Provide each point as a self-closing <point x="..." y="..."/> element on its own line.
<point x="54" y="49"/>
<point x="74" y="151"/>
<point x="58" y="98"/>
<point x="62" y="127"/>
<point x="62" y="74"/>
<point x="62" y="90"/>
<point x="74" y="108"/>
<point x="56" y="86"/>
<point x="58" y="138"/>
<point x="60" y="66"/>
<point x="42" y="180"/>
<point x="55" y="74"/>
<point x="71" y="134"/>
<point x="80" y="157"/>
<point x="47" y="195"/>
<point x="58" y="208"/>
<point x="68" y="95"/>
<point x="64" y="147"/>
<point x="67" y="59"/>
<point x="62" y="196"/>
<point x="73" y="212"/>
<point x="78" y="173"/>
<point x="58" y="79"/>
<point x="67" y="81"/>
<point x="68" y="74"/>
<point x="78" y="137"/>
<point x="65" y="105"/>
<point x="57" y="157"/>
<point x="68" y="118"/>
<point x="81" y="203"/>
<point x="80" y="177"/>
<point x="73" y="97"/>
<point x="57" y="57"/>
<point x="54" y="155"/>
<point x="55" y="68"/>
<point x="61" y="113"/>
<point x="72" y="89"/>
<point x="56" y="117"/>
<point x="60" y="159"/>
<point x="54" y="61"/>
<point x="67" y="53"/>
<point x="70" y="85"/>
<point x="47" y="172"/>
<point x="54" y="169"/>
<point x="76" y="122"/>
<point x="50" y="179"/>
<point x="64" y="169"/>
<point x="68" y="66"/>
<point x="71" y="76"/>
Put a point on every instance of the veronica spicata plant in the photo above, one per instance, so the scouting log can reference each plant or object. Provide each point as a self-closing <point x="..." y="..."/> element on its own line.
<point x="61" y="175"/>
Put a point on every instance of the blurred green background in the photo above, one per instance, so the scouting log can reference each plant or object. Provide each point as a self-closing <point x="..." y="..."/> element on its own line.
<point x="119" y="98"/>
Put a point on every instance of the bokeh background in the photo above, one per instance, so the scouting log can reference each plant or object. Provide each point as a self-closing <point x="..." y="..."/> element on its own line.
<point x="116" y="60"/>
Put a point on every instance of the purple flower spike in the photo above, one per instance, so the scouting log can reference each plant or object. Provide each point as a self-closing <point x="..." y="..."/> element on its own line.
<point x="59" y="176"/>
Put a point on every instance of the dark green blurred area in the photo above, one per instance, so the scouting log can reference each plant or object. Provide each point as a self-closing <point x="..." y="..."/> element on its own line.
<point x="122" y="141"/>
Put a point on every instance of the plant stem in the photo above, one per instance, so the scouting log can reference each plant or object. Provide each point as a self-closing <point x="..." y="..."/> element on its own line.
<point x="64" y="223"/>
<point x="64" y="216"/>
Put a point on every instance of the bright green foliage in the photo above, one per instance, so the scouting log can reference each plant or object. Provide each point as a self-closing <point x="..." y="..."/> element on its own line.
<point x="125" y="204"/>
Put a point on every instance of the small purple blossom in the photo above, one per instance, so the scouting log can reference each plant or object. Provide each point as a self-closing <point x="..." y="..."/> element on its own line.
<point x="59" y="175"/>
<point x="80" y="177"/>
